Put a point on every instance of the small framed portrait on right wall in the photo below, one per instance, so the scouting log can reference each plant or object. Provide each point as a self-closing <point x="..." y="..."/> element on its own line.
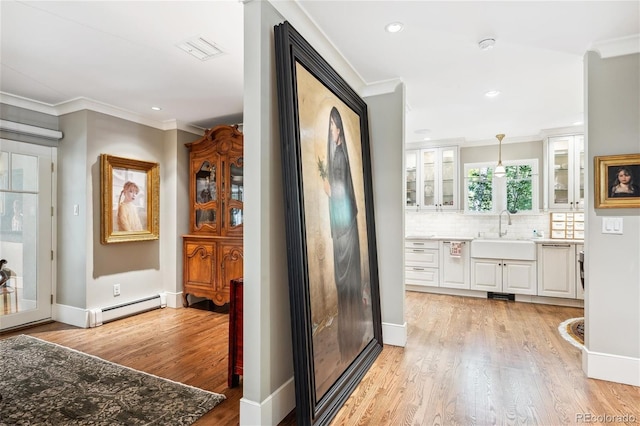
<point x="617" y="181"/>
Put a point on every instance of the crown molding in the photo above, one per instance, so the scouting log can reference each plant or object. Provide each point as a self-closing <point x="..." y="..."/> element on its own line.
<point x="617" y="46"/>
<point x="380" y="88"/>
<point x="79" y="104"/>
<point x="30" y="104"/>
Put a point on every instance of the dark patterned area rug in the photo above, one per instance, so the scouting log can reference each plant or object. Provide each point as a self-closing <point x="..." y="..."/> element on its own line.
<point x="573" y="331"/>
<point x="43" y="383"/>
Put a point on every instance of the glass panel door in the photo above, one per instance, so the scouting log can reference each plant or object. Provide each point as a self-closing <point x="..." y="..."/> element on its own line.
<point x="560" y="172"/>
<point x="449" y="178"/>
<point x="429" y="177"/>
<point x="206" y="195"/>
<point x="237" y="195"/>
<point x="411" y="163"/>
<point x="25" y="233"/>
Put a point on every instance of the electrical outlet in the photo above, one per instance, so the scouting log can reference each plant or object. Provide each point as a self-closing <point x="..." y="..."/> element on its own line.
<point x="116" y="289"/>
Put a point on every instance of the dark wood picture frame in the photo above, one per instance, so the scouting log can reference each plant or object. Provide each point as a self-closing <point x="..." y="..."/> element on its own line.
<point x="606" y="170"/>
<point x="335" y="316"/>
<point x="117" y="175"/>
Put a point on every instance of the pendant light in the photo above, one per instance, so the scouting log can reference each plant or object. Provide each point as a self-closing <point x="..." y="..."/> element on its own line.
<point x="499" y="170"/>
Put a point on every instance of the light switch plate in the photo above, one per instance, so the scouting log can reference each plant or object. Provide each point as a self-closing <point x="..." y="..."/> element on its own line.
<point x="612" y="225"/>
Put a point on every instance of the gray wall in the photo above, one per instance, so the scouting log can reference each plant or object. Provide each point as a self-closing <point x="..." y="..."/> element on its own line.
<point x="386" y="121"/>
<point x="268" y="358"/>
<point x="87" y="269"/>
<point x="612" y="314"/>
<point x="73" y="183"/>
<point x="510" y="151"/>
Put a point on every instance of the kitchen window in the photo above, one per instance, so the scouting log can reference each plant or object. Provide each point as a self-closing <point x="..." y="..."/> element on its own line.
<point x="517" y="191"/>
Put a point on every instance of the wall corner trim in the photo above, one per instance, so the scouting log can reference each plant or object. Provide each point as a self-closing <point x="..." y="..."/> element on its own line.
<point x="272" y="410"/>
<point x="394" y="334"/>
<point x="611" y="367"/>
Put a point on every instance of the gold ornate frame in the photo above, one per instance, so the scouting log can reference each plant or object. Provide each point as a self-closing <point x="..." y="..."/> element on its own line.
<point x="605" y="169"/>
<point x="114" y="172"/>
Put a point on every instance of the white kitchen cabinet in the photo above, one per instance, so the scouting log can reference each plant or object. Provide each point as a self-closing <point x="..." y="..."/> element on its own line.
<point x="454" y="270"/>
<point x="503" y="275"/>
<point x="557" y="270"/>
<point x="422" y="262"/>
<point x="431" y="178"/>
<point x="565" y="172"/>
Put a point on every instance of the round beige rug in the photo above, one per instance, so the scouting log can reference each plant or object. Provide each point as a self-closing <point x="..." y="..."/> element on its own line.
<point x="572" y="330"/>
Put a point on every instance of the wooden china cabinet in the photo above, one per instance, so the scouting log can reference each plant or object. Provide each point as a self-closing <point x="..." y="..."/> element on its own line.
<point x="212" y="251"/>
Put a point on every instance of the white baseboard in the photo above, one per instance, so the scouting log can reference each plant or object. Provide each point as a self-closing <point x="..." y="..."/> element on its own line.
<point x="272" y="410"/>
<point x="394" y="334"/>
<point x="71" y="315"/>
<point x="174" y="300"/>
<point x="85" y="318"/>
<point x="610" y="367"/>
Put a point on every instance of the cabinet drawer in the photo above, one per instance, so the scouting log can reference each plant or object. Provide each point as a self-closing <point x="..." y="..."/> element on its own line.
<point x="415" y="275"/>
<point x="422" y="257"/>
<point x="421" y="244"/>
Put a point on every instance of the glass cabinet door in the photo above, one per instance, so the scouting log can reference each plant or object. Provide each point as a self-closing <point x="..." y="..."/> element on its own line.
<point x="429" y="176"/>
<point x="206" y="195"/>
<point x="448" y="178"/>
<point x="566" y="172"/>
<point x="411" y="177"/>
<point x="559" y="149"/>
<point x="236" y="194"/>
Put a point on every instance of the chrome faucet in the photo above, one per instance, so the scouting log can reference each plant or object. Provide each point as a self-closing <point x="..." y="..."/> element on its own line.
<point x="500" y="234"/>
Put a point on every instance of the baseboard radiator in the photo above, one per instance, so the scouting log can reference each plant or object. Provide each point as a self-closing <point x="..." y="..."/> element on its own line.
<point x="100" y="316"/>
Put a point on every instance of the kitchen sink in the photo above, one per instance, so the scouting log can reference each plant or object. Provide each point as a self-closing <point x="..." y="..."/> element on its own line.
<point x="503" y="249"/>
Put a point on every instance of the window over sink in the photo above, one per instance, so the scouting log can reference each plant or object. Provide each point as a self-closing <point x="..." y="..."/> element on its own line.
<point x="517" y="191"/>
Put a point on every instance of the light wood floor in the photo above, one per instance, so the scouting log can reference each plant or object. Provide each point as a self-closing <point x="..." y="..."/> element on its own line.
<point x="467" y="361"/>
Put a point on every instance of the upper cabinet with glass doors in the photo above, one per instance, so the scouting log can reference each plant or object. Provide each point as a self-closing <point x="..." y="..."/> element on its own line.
<point x="432" y="179"/>
<point x="217" y="190"/>
<point x="566" y="172"/>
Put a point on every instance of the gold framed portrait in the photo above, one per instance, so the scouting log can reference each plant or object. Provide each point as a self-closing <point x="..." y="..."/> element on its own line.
<point x="130" y="200"/>
<point x="617" y="181"/>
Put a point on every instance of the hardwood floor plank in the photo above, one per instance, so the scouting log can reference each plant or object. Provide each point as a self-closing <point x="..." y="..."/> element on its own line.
<point x="468" y="361"/>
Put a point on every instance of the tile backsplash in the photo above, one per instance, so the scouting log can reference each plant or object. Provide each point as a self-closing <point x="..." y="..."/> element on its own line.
<point x="456" y="224"/>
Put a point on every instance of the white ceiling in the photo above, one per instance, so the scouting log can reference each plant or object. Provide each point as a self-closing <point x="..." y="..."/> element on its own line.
<point x="124" y="54"/>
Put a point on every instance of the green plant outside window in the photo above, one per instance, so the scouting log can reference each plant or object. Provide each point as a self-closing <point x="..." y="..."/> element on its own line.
<point x="480" y="189"/>
<point x="487" y="194"/>
<point x="519" y="188"/>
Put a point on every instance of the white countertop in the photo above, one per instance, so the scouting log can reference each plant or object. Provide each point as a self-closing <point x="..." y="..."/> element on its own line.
<point x="467" y="238"/>
<point x="438" y="237"/>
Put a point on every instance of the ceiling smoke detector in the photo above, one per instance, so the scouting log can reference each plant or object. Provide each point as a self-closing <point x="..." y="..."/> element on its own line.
<point x="200" y="48"/>
<point x="487" y="43"/>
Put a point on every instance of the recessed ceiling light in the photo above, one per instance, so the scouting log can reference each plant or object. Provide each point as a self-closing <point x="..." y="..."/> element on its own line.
<point x="155" y="108"/>
<point x="426" y="139"/>
<point x="394" y="27"/>
<point x="492" y="93"/>
<point x="487" y="43"/>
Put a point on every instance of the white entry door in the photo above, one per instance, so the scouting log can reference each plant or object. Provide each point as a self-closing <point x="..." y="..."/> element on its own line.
<point x="26" y="232"/>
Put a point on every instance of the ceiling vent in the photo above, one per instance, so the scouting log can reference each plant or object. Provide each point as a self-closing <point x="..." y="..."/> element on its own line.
<point x="200" y="48"/>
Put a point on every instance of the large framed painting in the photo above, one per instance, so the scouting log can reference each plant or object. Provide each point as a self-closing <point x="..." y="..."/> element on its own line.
<point x="130" y="200"/>
<point x="617" y="181"/>
<point x="331" y="239"/>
